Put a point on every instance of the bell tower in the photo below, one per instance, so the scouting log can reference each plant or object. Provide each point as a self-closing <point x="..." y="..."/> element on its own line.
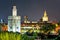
<point x="14" y="21"/>
<point x="45" y="16"/>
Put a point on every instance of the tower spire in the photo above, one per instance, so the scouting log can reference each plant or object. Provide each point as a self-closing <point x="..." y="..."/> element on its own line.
<point x="14" y="11"/>
<point x="45" y="14"/>
<point x="45" y="17"/>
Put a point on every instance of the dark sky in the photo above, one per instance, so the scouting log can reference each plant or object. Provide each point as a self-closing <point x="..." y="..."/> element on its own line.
<point x="32" y="8"/>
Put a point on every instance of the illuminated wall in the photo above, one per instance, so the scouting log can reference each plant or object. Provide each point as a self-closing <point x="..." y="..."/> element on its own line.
<point x="14" y="21"/>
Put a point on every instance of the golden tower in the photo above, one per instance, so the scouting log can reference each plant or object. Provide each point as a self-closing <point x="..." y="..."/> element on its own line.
<point x="45" y="16"/>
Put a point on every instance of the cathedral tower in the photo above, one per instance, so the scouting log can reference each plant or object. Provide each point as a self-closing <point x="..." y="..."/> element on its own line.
<point x="45" y="16"/>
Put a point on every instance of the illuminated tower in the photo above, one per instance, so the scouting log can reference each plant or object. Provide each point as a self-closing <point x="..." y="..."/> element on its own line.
<point x="25" y="19"/>
<point x="45" y="17"/>
<point x="14" y="21"/>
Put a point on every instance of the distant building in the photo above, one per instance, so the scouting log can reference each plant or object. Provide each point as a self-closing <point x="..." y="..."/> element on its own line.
<point x="34" y="22"/>
<point x="14" y="21"/>
<point x="2" y="21"/>
<point x="26" y="19"/>
<point x="45" y="17"/>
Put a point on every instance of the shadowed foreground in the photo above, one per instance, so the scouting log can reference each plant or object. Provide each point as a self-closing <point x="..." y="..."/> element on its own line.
<point x="18" y="36"/>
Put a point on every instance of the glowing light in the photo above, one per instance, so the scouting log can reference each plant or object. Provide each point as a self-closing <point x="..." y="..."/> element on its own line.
<point x="14" y="11"/>
<point x="56" y="25"/>
<point x="45" y="17"/>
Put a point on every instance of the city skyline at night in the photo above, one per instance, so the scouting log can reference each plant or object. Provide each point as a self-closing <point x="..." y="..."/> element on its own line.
<point x="34" y="9"/>
<point x="29" y="19"/>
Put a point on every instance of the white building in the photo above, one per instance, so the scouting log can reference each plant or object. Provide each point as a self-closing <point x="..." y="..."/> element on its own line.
<point x="14" y="21"/>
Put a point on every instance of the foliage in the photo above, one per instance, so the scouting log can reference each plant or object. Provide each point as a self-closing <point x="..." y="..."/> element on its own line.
<point x="48" y="27"/>
<point x="17" y="36"/>
<point x="9" y="36"/>
<point x="14" y="36"/>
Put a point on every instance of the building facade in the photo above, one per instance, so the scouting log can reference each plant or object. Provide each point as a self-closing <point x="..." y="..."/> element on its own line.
<point x="14" y="21"/>
<point x="45" y="16"/>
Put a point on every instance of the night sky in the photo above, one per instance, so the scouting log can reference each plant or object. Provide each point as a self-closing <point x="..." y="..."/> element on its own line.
<point x="34" y="9"/>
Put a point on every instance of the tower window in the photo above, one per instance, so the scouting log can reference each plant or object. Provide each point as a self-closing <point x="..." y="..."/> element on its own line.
<point x="17" y="27"/>
<point x="10" y="27"/>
